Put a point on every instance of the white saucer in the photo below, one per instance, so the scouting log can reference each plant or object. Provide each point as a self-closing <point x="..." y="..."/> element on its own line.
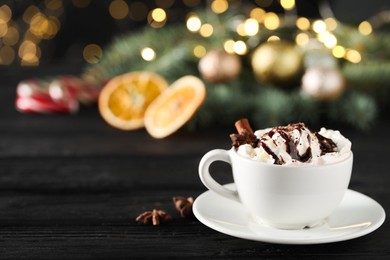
<point x="356" y="216"/>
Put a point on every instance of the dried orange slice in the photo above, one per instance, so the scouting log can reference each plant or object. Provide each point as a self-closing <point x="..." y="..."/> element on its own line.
<point x="174" y="107"/>
<point x="124" y="99"/>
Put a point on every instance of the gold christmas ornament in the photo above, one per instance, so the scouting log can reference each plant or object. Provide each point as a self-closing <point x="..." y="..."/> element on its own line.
<point x="218" y="66"/>
<point x="323" y="83"/>
<point x="277" y="62"/>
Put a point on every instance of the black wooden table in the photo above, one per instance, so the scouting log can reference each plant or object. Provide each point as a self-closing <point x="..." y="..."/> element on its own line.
<point x="71" y="187"/>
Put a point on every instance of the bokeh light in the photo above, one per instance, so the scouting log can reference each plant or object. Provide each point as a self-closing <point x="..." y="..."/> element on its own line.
<point x="302" y="39"/>
<point x="118" y="9"/>
<point x="240" y="29"/>
<point x="26" y="49"/>
<point x="258" y="14"/>
<point x="287" y="4"/>
<point x="229" y="46"/>
<point x="193" y="23"/>
<point x="353" y="56"/>
<point x="5" y="13"/>
<point x="148" y="54"/>
<point x="39" y="24"/>
<point x="29" y="36"/>
<point x="303" y="23"/>
<point x="29" y="53"/>
<point x="3" y="28"/>
<point x="331" y="24"/>
<point x="271" y="21"/>
<point x="273" y="38"/>
<point x="251" y="27"/>
<point x="338" y="51"/>
<point x="157" y="18"/>
<point x="319" y="26"/>
<point x="92" y="53"/>
<point x="206" y="30"/>
<point x="240" y="48"/>
<point x="29" y="13"/>
<point x="44" y="27"/>
<point x="12" y="36"/>
<point x="30" y="60"/>
<point x="199" y="51"/>
<point x="53" y="27"/>
<point x="219" y="6"/>
<point x="53" y="4"/>
<point x="329" y="40"/>
<point x="159" y="15"/>
<point x="365" y="28"/>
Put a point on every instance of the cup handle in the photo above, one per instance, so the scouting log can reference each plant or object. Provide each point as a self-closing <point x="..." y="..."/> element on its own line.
<point x="208" y="180"/>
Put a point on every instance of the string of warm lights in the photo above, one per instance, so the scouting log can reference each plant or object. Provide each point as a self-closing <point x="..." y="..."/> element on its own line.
<point x="21" y="37"/>
<point x="259" y="19"/>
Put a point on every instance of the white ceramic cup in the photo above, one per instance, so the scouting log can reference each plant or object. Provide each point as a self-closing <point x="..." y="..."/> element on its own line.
<point x="282" y="196"/>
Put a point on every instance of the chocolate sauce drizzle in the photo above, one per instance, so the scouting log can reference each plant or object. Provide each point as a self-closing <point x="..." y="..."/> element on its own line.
<point x="291" y="145"/>
<point x="326" y="144"/>
<point x="270" y="152"/>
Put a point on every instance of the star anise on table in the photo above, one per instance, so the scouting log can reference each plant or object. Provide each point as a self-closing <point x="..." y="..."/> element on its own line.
<point x="155" y="216"/>
<point x="184" y="206"/>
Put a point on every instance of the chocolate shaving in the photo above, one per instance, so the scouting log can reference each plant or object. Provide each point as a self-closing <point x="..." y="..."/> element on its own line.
<point x="245" y="134"/>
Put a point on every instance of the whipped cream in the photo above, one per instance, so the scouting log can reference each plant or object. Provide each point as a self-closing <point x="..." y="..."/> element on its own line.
<point x="296" y="144"/>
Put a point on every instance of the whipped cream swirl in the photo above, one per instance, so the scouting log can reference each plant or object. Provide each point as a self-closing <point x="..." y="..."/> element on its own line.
<point x="296" y="144"/>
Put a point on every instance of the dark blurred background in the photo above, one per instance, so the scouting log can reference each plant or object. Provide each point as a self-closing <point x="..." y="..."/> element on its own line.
<point x="46" y="38"/>
<point x="62" y="29"/>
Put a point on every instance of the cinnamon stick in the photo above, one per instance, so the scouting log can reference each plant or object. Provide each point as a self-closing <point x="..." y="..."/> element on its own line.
<point x="243" y="126"/>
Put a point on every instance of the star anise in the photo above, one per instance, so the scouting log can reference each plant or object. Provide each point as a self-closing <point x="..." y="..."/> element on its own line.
<point x="155" y="216"/>
<point x="184" y="206"/>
